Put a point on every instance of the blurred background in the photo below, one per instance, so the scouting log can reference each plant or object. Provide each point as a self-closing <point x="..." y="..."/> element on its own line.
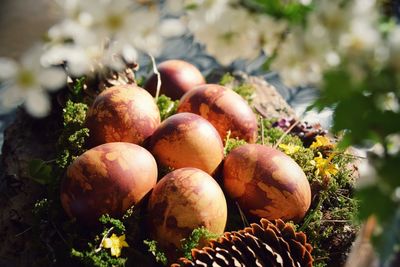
<point x="24" y="22"/>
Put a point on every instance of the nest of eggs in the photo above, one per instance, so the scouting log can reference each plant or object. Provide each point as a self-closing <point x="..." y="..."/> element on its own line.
<point x="179" y="170"/>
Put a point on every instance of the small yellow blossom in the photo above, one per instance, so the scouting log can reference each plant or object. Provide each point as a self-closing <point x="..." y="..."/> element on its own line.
<point x="321" y="141"/>
<point x="289" y="149"/>
<point x="325" y="167"/>
<point x="115" y="243"/>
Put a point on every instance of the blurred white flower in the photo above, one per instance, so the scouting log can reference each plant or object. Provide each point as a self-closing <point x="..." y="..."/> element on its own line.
<point x="368" y="174"/>
<point x="171" y="28"/>
<point x="363" y="36"/>
<point x="27" y="81"/>
<point x="144" y="33"/>
<point x="175" y="7"/>
<point x="205" y="12"/>
<point x="394" y="47"/>
<point x="270" y="32"/>
<point x="234" y="35"/>
<point x="301" y="60"/>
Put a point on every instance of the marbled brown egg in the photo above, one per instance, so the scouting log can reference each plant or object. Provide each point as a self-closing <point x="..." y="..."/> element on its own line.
<point x="177" y="77"/>
<point x="123" y="113"/>
<point x="224" y="108"/>
<point x="109" y="178"/>
<point x="181" y="201"/>
<point x="266" y="183"/>
<point x="187" y="140"/>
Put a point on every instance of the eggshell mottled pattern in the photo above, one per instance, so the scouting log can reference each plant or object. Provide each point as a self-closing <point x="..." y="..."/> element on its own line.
<point x="187" y="140"/>
<point x="123" y="113"/>
<point x="224" y="108"/>
<point x="266" y="183"/>
<point x="177" y="77"/>
<point x="109" y="178"/>
<point x="181" y="201"/>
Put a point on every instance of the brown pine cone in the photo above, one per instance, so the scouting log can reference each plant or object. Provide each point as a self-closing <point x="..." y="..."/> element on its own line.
<point x="269" y="244"/>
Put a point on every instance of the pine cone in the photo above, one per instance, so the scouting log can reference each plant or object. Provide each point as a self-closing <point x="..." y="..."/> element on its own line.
<point x="269" y="244"/>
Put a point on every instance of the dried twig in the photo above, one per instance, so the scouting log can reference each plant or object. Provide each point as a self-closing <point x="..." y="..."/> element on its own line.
<point x="102" y="240"/>
<point x="242" y="216"/>
<point x="286" y="133"/>
<point x="155" y="70"/>
<point x="262" y="131"/>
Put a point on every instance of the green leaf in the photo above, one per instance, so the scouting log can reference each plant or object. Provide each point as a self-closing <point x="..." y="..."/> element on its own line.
<point x="40" y="171"/>
<point x="375" y="201"/>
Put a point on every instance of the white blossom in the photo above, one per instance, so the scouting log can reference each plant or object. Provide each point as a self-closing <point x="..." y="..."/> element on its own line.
<point x="205" y="12"/>
<point x="394" y="47"/>
<point x="27" y="81"/>
<point x="270" y="31"/>
<point x="171" y="28"/>
<point x="232" y="36"/>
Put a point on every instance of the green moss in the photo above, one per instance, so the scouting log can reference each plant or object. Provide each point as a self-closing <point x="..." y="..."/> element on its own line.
<point x="271" y="135"/>
<point x="226" y="79"/>
<point x="117" y="224"/>
<point x="74" y="114"/>
<point x="166" y="106"/>
<point x="199" y="238"/>
<point x="158" y="254"/>
<point x="247" y="91"/>
<point x="73" y="136"/>
<point x="232" y="143"/>
<point x="93" y="258"/>
<point x="333" y="208"/>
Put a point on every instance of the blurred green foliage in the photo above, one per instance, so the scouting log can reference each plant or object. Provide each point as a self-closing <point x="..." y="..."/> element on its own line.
<point x="363" y="112"/>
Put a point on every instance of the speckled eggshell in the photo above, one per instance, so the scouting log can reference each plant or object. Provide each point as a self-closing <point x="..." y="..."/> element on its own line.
<point x="123" y="113"/>
<point x="177" y="77"/>
<point x="224" y="108"/>
<point x="187" y="140"/>
<point x="266" y="183"/>
<point x="109" y="178"/>
<point x="181" y="201"/>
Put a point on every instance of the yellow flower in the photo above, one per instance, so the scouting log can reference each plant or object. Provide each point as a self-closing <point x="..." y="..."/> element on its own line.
<point x="115" y="243"/>
<point x="321" y="141"/>
<point x="289" y="149"/>
<point x="324" y="167"/>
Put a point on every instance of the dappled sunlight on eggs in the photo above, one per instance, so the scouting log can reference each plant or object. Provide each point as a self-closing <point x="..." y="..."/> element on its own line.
<point x="225" y="109"/>
<point x="109" y="178"/>
<point x="182" y="201"/>
<point x="123" y="113"/>
<point x="266" y="183"/>
<point x="187" y="140"/>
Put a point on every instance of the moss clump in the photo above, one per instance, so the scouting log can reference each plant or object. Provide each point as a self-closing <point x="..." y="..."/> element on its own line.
<point x="232" y="143"/>
<point x="167" y="106"/>
<point x="72" y="139"/>
<point x="245" y="90"/>
<point x="158" y="254"/>
<point x="199" y="238"/>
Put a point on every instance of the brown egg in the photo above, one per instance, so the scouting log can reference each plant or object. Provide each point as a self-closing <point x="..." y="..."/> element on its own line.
<point x="266" y="183"/>
<point x="109" y="178"/>
<point x="181" y="201"/>
<point x="187" y="140"/>
<point x="123" y="113"/>
<point x="224" y="108"/>
<point x="177" y="77"/>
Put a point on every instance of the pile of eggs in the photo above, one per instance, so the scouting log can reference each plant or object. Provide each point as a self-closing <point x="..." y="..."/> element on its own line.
<point x="128" y="144"/>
